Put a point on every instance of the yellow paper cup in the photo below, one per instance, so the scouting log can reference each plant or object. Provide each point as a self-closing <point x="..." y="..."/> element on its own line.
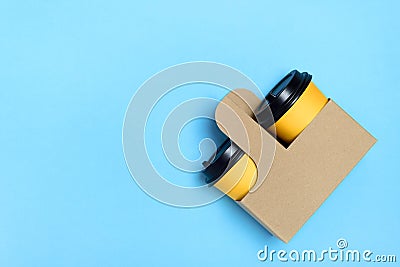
<point x="294" y="103"/>
<point x="231" y="171"/>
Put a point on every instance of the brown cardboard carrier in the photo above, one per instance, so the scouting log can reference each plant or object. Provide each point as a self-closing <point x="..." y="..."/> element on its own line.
<point x="301" y="176"/>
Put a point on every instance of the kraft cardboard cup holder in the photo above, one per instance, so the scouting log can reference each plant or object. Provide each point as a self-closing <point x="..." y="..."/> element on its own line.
<point x="300" y="176"/>
<point x="285" y="112"/>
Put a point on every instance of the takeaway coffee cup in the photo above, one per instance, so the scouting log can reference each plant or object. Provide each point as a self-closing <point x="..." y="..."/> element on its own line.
<point x="294" y="102"/>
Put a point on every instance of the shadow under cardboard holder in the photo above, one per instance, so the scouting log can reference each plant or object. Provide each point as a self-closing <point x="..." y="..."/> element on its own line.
<point x="293" y="182"/>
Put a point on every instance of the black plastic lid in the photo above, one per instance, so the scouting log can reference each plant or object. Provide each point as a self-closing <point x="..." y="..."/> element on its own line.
<point x="227" y="155"/>
<point x="282" y="97"/>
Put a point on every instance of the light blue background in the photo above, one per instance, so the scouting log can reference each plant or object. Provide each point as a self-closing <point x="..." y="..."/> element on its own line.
<point x="68" y="70"/>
